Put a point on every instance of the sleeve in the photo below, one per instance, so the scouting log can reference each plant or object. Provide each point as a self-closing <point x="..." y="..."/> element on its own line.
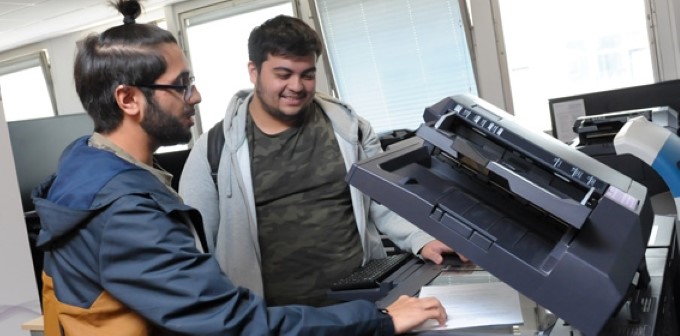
<point x="149" y="262"/>
<point x="197" y="189"/>
<point x="401" y="232"/>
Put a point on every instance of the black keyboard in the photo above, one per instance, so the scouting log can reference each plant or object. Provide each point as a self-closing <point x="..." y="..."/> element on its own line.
<point x="370" y="275"/>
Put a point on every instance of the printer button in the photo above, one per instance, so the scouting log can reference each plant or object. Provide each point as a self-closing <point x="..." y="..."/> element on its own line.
<point x="456" y="225"/>
<point x="437" y="214"/>
<point x="481" y="241"/>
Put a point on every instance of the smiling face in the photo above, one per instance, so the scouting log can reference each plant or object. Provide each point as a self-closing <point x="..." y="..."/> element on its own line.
<point x="169" y="116"/>
<point x="284" y="88"/>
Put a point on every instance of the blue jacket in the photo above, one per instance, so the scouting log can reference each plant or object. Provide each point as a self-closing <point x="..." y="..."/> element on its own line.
<point x="121" y="258"/>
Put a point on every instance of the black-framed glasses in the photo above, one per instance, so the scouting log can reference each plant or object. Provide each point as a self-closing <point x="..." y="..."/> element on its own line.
<point x="187" y="90"/>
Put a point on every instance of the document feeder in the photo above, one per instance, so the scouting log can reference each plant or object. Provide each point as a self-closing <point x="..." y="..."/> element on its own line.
<point x="558" y="226"/>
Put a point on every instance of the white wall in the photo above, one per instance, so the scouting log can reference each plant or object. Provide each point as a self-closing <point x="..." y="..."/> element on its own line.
<point x="665" y="23"/>
<point x="61" y="52"/>
<point x="18" y="290"/>
<point x="486" y="48"/>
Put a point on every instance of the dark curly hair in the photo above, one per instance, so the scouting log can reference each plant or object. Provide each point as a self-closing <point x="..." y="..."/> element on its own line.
<point x="282" y="36"/>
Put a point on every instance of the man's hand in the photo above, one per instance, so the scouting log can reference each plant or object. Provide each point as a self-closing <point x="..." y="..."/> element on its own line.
<point x="409" y="312"/>
<point x="434" y="251"/>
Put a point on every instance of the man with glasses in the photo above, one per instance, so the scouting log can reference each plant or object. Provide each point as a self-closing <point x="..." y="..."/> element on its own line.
<point x="123" y="254"/>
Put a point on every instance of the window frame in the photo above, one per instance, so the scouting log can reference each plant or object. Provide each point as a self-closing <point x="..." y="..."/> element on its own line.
<point x="508" y="101"/>
<point x="207" y="11"/>
<point x="28" y="61"/>
<point x="466" y="22"/>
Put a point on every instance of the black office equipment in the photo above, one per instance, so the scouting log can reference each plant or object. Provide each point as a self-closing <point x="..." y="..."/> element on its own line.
<point x="37" y="145"/>
<point x="391" y="137"/>
<point x="596" y="134"/>
<point x="404" y="278"/>
<point x="623" y="99"/>
<point x="172" y="162"/>
<point x="601" y="128"/>
<point x="656" y="305"/>
<point x="558" y="226"/>
<point x="370" y="275"/>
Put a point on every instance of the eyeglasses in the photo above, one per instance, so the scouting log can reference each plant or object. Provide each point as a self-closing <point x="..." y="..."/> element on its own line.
<point x="187" y="90"/>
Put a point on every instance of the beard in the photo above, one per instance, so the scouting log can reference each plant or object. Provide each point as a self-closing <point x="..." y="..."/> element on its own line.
<point x="165" y="128"/>
<point x="276" y="113"/>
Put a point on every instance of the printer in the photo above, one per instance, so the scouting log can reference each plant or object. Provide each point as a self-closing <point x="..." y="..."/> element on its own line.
<point x="602" y="128"/>
<point x="596" y="139"/>
<point x="560" y="227"/>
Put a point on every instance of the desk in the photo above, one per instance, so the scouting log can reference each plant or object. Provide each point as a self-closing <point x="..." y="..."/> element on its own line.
<point x="34" y="326"/>
<point x="652" y="301"/>
<point x="537" y="320"/>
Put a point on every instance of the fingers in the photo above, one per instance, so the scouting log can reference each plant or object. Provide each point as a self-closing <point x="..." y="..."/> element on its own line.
<point x="435" y="250"/>
<point x="435" y="308"/>
<point x="433" y="257"/>
<point x="462" y="257"/>
<point x="440" y="247"/>
<point x="410" y="312"/>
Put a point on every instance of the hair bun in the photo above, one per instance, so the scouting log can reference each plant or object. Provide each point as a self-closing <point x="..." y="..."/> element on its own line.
<point x="131" y="9"/>
<point x="128" y="19"/>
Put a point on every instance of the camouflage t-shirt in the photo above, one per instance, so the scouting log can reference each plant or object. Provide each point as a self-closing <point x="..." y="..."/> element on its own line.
<point x="307" y="231"/>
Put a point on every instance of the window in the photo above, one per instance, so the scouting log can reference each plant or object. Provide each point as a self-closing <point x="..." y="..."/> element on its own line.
<point x="572" y="47"/>
<point x="217" y="40"/>
<point x="26" y="87"/>
<point x="392" y="58"/>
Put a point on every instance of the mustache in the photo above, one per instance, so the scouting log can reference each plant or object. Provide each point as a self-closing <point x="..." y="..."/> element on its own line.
<point x="299" y="95"/>
<point x="189" y="112"/>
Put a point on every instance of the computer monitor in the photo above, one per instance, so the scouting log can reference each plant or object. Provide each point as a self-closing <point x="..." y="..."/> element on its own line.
<point x="37" y="145"/>
<point x="173" y="163"/>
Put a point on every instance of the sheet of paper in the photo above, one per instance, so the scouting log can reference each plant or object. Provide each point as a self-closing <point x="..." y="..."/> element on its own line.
<point x="475" y="305"/>
<point x="565" y="113"/>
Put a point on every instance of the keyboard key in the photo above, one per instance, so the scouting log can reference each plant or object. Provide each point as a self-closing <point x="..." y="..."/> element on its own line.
<point x="370" y="275"/>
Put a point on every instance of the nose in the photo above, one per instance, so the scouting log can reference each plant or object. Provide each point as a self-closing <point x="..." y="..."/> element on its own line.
<point x="295" y="83"/>
<point x="195" y="96"/>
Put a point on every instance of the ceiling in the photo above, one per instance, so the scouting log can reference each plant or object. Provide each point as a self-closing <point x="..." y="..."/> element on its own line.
<point x="27" y="21"/>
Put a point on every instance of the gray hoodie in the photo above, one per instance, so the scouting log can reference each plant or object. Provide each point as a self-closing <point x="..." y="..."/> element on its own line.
<point x="231" y="225"/>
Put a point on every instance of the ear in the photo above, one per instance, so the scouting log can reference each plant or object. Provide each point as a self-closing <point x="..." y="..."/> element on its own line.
<point x="252" y="71"/>
<point x="130" y="100"/>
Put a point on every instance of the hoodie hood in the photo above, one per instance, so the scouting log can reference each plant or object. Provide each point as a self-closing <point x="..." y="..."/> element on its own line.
<point x="66" y="199"/>
<point x="341" y="115"/>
